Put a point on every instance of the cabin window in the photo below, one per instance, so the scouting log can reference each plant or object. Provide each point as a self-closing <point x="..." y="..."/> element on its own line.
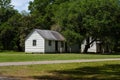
<point x="34" y="42"/>
<point x="50" y="43"/>
<point x="62" y="44"/>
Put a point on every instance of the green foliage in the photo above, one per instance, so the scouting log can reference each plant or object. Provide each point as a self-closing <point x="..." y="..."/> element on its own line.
<point x="95" y="18"/>
<point x="6" y="30"/>
<point x="72" y="37"/>
<point x="41" y="12"/>
<point x="5" y="3"/>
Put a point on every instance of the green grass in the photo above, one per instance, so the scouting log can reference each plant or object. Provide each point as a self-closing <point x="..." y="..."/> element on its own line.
<point x="21" y="56"/>
<point x="108" y="70"/>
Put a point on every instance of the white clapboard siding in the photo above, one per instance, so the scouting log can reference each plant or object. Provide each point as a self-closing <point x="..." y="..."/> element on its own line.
<point x="39" y="48"/>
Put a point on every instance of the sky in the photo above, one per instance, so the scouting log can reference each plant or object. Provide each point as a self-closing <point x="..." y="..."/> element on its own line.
<point x="20" y="5"/>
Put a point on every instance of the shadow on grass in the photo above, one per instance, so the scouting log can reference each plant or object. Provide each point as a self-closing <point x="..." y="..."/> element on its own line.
<point x="106" y="72"/>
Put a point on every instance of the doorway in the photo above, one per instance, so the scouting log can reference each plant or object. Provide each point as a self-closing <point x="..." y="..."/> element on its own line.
<point x="56" y="46"/>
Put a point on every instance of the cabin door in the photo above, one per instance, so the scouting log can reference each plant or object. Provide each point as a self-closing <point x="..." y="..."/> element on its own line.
<point x="56" y="46"/>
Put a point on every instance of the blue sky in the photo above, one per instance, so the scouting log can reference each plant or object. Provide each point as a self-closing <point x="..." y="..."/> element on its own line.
<point x="21" y="4"/>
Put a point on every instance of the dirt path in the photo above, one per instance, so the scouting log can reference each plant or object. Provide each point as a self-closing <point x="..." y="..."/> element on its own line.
<point x="54" y="62"/>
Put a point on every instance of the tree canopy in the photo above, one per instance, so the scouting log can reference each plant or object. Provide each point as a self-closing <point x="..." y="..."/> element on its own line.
<point x="90" y="18"/>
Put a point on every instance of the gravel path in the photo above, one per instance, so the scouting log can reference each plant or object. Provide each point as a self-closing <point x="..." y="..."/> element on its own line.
<point x="54" y="62"/>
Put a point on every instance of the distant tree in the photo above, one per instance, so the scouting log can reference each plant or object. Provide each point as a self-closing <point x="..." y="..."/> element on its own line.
<point x="6" y="31"/>
<point x="38" y="10"/>
<point x="43" y="12"/>
<point x="6" y="10"/>
<point x="9" y="33"/>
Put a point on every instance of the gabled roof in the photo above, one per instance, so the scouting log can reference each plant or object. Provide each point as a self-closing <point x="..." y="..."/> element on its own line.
<point x="48" y="35"/>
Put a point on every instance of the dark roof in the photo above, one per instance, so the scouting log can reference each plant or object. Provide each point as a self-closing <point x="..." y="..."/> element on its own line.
<point x="49" y="35"/>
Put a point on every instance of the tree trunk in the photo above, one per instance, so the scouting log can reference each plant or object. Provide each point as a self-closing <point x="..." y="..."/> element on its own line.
<point x="86" y="48"/>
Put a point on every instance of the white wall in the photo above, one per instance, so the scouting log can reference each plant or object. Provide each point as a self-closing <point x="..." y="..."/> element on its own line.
<point x="39" y="48"/>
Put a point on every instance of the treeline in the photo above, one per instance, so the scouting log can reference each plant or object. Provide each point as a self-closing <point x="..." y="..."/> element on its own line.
<point x="75" y="19"/>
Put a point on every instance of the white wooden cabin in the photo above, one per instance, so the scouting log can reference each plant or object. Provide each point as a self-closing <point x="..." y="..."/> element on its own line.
<point x="44" y="41"/>
<point x="94" y="47"/>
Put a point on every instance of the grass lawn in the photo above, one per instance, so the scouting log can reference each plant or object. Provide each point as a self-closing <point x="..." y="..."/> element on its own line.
<point x="21" y="56"/>
<point x="108" y="70"/>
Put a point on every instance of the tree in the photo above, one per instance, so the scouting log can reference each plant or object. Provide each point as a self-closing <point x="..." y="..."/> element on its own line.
<point x="43" y="12"/>
<point x="100" y="21"/>
<point x="90" y="18"/>
<point x="6" y="12"/>
<point x="38" y="11"/>
<point x="9" y="33"/>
